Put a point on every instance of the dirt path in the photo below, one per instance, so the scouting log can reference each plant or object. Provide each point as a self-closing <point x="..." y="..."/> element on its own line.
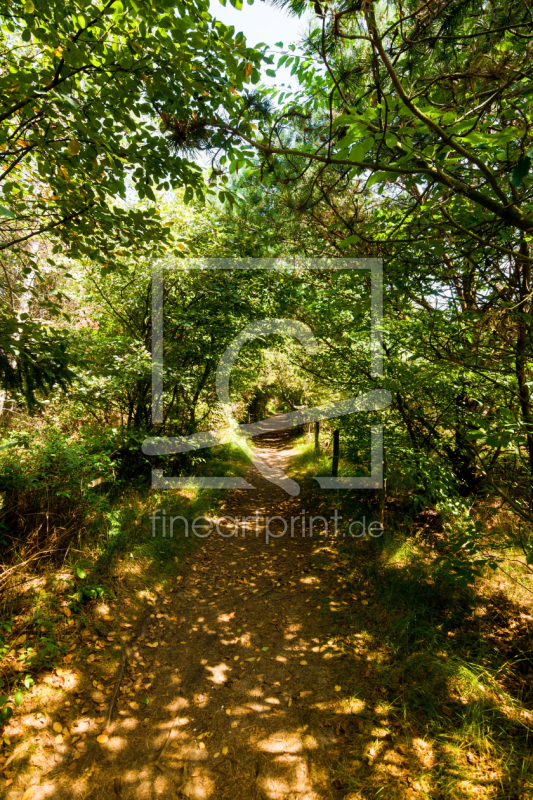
<point x="242" y="702"/>
<point x="234" y="669"/>
<point x="269" y="670"/>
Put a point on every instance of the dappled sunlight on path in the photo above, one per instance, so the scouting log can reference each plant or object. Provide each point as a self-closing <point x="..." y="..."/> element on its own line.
<point x="246" y="694"/>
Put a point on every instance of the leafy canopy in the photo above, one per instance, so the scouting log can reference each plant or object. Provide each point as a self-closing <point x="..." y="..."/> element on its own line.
<point x="80" y="87"/>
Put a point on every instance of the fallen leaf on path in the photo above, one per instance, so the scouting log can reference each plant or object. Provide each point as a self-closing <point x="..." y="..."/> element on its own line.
<point x="303" y="663"/>
<point x="28" y="793"/>
<point x="224" y="751"/>
<point x="57" y="726"/>
<point x="338" y="688"/>
<point x="134" y="705"/>
<point x="103" y="738"/>
<point x="99" y="720"/>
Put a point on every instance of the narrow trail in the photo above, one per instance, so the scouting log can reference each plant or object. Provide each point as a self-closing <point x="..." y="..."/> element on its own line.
<point x="241" y="696"/>
<point x="247" y="695"/>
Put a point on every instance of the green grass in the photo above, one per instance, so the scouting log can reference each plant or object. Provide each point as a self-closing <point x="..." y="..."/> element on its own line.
<point x="319" y="464"/>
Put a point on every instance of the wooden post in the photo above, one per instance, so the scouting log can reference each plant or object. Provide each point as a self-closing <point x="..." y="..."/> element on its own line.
<point x="317" y="442"/>
<point x="335" y="464"/>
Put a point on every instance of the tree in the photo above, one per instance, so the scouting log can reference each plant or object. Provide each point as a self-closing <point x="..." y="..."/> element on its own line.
<point x="411" y="138"/>
<point x="80" y="90"/>
<point x="84" y="90"/>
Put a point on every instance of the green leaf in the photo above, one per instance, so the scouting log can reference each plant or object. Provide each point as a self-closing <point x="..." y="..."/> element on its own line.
<point x="377" y="177"/>
<point x="350" y="240"/>
<point x="498" y="440"/>
<point x="81" y="573"/>
<point x="7" y="213"/>
<point x="6" y="713"/>
<point x="520" y="171"/>
<point x="19" y="697"/>
<point x="357" y="153"/>
<point x="70" y="102"/>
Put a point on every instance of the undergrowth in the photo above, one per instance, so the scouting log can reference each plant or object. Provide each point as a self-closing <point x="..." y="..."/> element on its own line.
<point x="446" y="666"/>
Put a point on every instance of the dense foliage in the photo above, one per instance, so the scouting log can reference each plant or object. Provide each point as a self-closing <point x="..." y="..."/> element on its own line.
<point x="410" y="138"/>
<point x="84" y="93"/>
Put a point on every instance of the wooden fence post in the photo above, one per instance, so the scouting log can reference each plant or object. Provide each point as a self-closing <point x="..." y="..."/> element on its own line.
<point x="317" y="441"/>
<point x="335" y="464"/>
